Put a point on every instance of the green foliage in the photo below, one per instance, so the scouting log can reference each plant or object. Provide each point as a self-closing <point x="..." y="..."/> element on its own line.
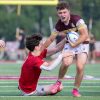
<point x="96" y="30"/>
<point x="90" y="9"/>
<point x="7" y="26"/>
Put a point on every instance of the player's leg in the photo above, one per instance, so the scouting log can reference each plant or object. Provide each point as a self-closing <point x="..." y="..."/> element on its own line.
<point x="63" y="69"/>
<point x="67" y="61"/>
<point x="93" y="56"/>
<point x="80" y="64"/>
<point x="41" y="90"/>
<point x="44" y="90"/>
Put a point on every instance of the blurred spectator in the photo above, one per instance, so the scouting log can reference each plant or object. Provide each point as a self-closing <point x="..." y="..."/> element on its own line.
<point x="20" y="36"/>
<point x="2" y="48"/>
<point x="2" y="44"/>
<point x="11" y="50"/>
<point x="92" y="55"/>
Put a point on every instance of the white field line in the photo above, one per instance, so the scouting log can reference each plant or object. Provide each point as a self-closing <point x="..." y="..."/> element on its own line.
<point x="93" y="82"/>
<point x="67" y="91"/>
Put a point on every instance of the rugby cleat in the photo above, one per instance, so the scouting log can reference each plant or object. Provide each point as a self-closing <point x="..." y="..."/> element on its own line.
<point x="76" y="93"/>
<point x="57" y="87"/>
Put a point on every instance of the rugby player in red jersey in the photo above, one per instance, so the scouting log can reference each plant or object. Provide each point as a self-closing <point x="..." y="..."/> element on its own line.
<point x="68" y="22"/>
<point x="31" y="68"/>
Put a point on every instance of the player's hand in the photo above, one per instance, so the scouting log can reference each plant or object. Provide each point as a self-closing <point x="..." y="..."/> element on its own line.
<point x="2" y="44"/>
<point x="46" y="64"/>
<point x="72" y="44"/>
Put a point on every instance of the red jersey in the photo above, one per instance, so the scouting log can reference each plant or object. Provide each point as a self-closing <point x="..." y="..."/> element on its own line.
<point x="30" y="72"/>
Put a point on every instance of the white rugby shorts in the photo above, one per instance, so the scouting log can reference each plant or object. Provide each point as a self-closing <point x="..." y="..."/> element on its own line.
<point x="41" y="90"/>
<point x="79" y="49"/>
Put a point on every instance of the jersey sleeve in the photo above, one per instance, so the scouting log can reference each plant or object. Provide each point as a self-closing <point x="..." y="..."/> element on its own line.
<point x="54" y="32"/>
<point x="81" y="24"/>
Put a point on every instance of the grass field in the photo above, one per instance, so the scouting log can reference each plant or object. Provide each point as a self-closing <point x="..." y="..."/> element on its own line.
<point x="90" y="88"/>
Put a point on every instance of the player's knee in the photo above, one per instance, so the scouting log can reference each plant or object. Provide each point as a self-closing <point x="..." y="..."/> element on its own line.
<point x="67" y="63"/>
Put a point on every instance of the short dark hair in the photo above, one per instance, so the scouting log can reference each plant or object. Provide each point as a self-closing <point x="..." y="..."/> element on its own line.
<point x="63" y="5"/>
<point x="32" y="41"/>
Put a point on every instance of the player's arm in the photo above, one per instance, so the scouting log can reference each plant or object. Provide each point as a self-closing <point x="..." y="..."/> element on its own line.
<point x="48" y="42"/>
<point x="50" y="39"/>
<point x="57" y="48"/>
<point x="83" y="31"/>
<point x="51" y="65"/>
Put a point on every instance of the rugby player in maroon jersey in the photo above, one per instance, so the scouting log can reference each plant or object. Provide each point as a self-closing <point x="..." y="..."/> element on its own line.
<point x="68" y="22"/>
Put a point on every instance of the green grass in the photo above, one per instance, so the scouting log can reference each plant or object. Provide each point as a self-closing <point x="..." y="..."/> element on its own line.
<point x="90" y="89"/>
<point x="49" y="98"/>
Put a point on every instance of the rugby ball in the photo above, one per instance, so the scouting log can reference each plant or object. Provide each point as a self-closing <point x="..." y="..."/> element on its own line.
<point x="72" y="36"/>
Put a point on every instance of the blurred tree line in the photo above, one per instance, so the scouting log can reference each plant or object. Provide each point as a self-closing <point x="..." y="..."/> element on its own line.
<point x="35" y="19"/>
